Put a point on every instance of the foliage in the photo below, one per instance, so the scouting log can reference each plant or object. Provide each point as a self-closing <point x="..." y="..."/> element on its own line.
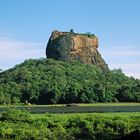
<point x="47" y="81"/>
<point x="15" y="115"/>
<point x="68" y="126"/>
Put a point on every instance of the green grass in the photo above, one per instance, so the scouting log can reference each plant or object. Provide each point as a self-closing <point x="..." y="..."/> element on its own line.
<point x="120" y="114"/>
<point x="111" y="104"/>
<point x="78" y="108"/>
<point x="89" y="104"/>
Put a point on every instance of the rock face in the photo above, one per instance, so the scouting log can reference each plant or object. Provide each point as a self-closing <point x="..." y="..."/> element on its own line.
<point x="68" y="46"/>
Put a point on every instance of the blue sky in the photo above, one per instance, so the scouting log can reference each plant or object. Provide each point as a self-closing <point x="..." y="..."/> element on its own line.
<point x="25" y="27"/>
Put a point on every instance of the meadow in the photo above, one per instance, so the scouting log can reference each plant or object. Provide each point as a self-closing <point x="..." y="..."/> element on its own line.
<point x="78" y="108"/>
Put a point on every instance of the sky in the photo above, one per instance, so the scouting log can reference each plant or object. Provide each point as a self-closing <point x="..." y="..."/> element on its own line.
<point x="26" y="25"/>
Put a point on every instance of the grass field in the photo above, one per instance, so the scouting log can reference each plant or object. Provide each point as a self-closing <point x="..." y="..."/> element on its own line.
<point x="78" y="108"/>
<point x="120" y="114"/>
<point x="87" y="104"/>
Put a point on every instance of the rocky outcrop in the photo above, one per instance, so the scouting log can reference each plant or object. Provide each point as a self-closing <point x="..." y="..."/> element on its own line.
<point x="68" y="46"/>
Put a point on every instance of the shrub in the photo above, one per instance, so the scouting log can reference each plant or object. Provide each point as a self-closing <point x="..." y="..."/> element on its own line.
<point x="16" y="115"/>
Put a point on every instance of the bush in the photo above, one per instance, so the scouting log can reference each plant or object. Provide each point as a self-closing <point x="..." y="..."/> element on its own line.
<point x="16" y="115"/>
<point x="17" y="124"/>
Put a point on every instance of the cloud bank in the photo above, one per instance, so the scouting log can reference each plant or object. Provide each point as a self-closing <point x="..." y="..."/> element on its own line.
<point x="14" y="52"/>
<point x="126" y="58"/>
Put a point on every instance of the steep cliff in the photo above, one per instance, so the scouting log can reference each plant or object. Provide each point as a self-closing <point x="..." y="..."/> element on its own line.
<point x="68" y="46"/>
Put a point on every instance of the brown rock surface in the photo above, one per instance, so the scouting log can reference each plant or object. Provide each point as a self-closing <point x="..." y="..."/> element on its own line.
<point x="68" y="46"/>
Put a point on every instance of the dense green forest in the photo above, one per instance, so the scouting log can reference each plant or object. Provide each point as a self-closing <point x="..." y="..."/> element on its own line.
<point x="21" y="125"/>
<point x="47" y="81"/>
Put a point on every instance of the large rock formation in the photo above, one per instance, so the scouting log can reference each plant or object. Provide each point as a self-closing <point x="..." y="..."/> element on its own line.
<point x="67" y="46"/>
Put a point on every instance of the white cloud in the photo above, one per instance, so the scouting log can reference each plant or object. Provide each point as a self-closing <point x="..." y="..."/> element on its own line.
<point x="136" y="75"/>
<point x="125" y="57"/>
<point x="129" y="66"/>
<point x="121" y="51"/>
<point x="131" y="69"/>
<point x="14" y="52"/>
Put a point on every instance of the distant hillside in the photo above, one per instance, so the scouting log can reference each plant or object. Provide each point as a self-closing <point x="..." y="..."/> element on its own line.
<point x="47" y="81"/>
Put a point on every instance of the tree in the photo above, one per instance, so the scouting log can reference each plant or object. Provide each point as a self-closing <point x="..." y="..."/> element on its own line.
<point x="71" y="30"/>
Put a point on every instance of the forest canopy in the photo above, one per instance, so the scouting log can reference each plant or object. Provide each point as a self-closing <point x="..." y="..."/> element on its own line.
<point x="47" y="81"/>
